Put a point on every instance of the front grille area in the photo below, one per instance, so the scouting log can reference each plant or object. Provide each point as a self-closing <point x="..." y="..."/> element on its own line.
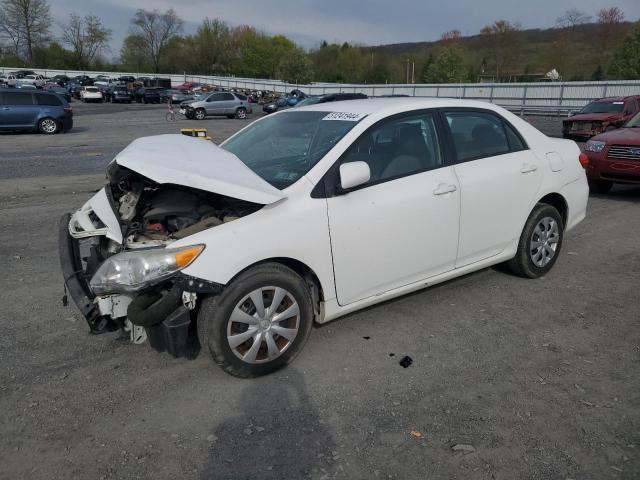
<point x="580" y="126"/>
<point x="624" y="152"/>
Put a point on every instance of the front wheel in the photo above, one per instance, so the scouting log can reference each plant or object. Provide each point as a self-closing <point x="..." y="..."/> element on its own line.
<point x="600" y="186"/>
<point x="200" y="114"/>
<point x="259" y="323"/>
<point x="539" y="244"/>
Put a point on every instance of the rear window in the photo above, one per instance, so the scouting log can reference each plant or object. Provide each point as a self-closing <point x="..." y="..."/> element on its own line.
<point x="43" y="99"/>
<point x="18" y="98"/>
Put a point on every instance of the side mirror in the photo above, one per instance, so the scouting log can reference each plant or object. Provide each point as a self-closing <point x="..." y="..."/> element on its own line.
<point x="353" y="174"/>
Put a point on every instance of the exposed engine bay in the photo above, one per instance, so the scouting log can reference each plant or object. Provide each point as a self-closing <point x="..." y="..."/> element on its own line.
<point x="143" y="216"/>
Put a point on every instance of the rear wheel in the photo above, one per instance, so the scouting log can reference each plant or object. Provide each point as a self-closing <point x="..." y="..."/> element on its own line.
<point x="540" y="243"/>
<point x="241" y="113"/>
<point x="600" y="186"/>
<point x="200" y="114"/>
<point x="259" y="323"/>
<point x="48" y="126"/>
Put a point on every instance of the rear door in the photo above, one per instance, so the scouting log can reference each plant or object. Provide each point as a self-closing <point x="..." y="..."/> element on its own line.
<point x="499" y="179"/>
<point x="214" y="104"/>
<point x="18" y="110"/>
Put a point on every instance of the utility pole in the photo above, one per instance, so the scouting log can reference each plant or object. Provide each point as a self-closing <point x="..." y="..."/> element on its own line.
<point x="407" y="70"/>
<point x="413" y="72"/>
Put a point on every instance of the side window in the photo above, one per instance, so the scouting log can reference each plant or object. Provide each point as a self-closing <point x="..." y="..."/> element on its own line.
<point x="18" y="98"/>
<point x="216" y="97"/>
<point x="478" y="135"/>
<point x="398" y="147"/>
<point x="241" y="97"/>
<point x="51" y="100"/>
<point x="227" y="96"/>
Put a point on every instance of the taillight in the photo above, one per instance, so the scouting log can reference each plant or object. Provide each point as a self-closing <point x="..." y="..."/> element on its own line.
<point x="584" y="160"/>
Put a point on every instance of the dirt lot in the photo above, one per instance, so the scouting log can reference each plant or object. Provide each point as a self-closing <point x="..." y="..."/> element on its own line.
<point x="536" y="379"/>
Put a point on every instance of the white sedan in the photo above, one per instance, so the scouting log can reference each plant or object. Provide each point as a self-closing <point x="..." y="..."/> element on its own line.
<point x="91" y="94"/>
<point x="309" y="214"/>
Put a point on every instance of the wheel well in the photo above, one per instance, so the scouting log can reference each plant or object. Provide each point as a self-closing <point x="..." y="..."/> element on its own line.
<point x="556" y="200"/>
<point x="304" y="271"/>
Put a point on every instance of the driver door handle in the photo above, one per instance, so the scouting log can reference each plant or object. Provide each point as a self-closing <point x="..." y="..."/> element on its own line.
<point x="443" y="189"/>
<point x="528" y="168"/>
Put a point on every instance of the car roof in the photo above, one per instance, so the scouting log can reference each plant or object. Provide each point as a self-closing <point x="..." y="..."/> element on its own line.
<point x="380" y="105"/>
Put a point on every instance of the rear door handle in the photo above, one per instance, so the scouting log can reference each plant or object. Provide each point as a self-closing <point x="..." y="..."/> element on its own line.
<point x="528" y="168"/>
<point x="443" y="189"/>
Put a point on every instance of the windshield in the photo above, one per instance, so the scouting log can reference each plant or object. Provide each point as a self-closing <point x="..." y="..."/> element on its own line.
<point x="634" y="122"/>
<point x="603" y="107"/>
<point x="284" y="147"/>
<point x="308" y="101"/>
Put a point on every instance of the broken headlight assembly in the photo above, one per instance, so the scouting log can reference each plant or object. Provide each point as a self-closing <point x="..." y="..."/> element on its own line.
<point x="134" y="270"/>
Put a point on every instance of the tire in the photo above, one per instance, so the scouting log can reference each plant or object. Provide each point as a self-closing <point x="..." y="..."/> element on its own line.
<point x="600" y="186"/>
<point x="241" y="113"/>
<point x="545" y="228"/>
<point x="200" y="114"/>
<point x="48" y="126"/>
<point x="170" y="118"/>
<point x="214" y="321"/>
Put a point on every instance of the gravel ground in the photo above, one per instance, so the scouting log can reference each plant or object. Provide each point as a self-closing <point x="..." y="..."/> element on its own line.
<point x="526" y="379"/>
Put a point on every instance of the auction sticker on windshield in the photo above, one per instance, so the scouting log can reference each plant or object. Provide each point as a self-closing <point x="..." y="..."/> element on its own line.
<point x="345" y="116"/>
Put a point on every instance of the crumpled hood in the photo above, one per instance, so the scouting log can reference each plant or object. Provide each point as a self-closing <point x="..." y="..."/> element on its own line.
<point x="196" y="163"/>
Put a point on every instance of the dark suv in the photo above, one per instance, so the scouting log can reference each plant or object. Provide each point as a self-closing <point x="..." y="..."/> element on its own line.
<point x="147" y="95"/>
<point x="46" y="112"/>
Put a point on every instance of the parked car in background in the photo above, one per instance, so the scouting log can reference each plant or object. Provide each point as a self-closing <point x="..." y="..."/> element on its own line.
<point x="104" y="80"/>
<point x="55" y="88"/>
<point x="36" y="80"/>
<point x="330" y="97"/>
<point x="127" y="79"/>
<point x="45" y="112"/>
<point x="219" y="103"/>
<point x="8" y="80"/>
<point x="74" y="87"/>
<point x="84" y="80"/>
<point x="311" y="214"/>
<point x="61" y="80"/>
<point x="601" y="116"/>
<point x="614" y="157"/>
<point x="147" y="95"/>
<point x="25" y="85"/>
<point x="178" y="96"/>
<point x="118" y="94"/>
<point x="91" y="94"/>
<point x="279" y="104"/>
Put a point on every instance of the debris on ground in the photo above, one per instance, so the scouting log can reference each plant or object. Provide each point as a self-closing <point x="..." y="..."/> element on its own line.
<point x="392" y="354"/>
<point x="406" y="361"/>
<point x="416" y="433"/>
<point x="463" y="447"/>
<point x="366" y="337"/>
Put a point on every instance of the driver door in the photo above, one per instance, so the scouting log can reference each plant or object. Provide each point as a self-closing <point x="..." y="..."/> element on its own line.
<point x="401" y="227"/>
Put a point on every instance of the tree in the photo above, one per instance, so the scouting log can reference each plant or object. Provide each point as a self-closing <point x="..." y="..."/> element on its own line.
<point x="295" y="67"/>
<point x="625" y="64"/>
<point x="155" y="29"/>
<point x="610" y="16"/>
<point x="609" y="22"/>
<point x="572" y="18"/>
<point x="86" y="36"/>
<point x="450" y="66"/>
<point x="133" y="54"/>
<point x="211" y="47"/>
<point x="452" y="36"/>
<point x="25" y="23"/>
<point x="502" y="40"/>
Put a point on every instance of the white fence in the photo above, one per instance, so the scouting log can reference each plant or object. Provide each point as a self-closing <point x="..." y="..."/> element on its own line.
<point x="557" y="97"/>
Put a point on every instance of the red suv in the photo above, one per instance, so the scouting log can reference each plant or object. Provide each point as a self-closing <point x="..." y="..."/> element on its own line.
<point x="614" y="157"/>
<point x="601" y="116"/>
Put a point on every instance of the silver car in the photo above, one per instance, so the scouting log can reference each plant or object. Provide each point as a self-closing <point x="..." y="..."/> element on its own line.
<point x="220" y="103"/>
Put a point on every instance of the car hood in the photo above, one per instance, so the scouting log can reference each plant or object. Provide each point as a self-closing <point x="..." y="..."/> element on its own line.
<point x="593" y="117"/>
<point x="621" y="136"/>
<point x="196" y="163"/>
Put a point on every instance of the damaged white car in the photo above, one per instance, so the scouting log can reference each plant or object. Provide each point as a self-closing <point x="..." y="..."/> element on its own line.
<point x="310" y="214"/>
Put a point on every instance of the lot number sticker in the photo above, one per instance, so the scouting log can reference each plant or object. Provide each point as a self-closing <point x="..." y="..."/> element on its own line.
<point x="344" y="116"/>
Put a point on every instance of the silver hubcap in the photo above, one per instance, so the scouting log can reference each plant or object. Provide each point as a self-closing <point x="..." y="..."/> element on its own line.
<point x="49" y="126"/>
<point x="263" y="325"/>
<point x="544" y="241"/>
<point x="199" y="114"/>
<point x="242" y="114"/>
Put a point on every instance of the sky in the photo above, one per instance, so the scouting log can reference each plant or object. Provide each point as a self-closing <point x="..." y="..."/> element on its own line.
<point x="365" y="22"/>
